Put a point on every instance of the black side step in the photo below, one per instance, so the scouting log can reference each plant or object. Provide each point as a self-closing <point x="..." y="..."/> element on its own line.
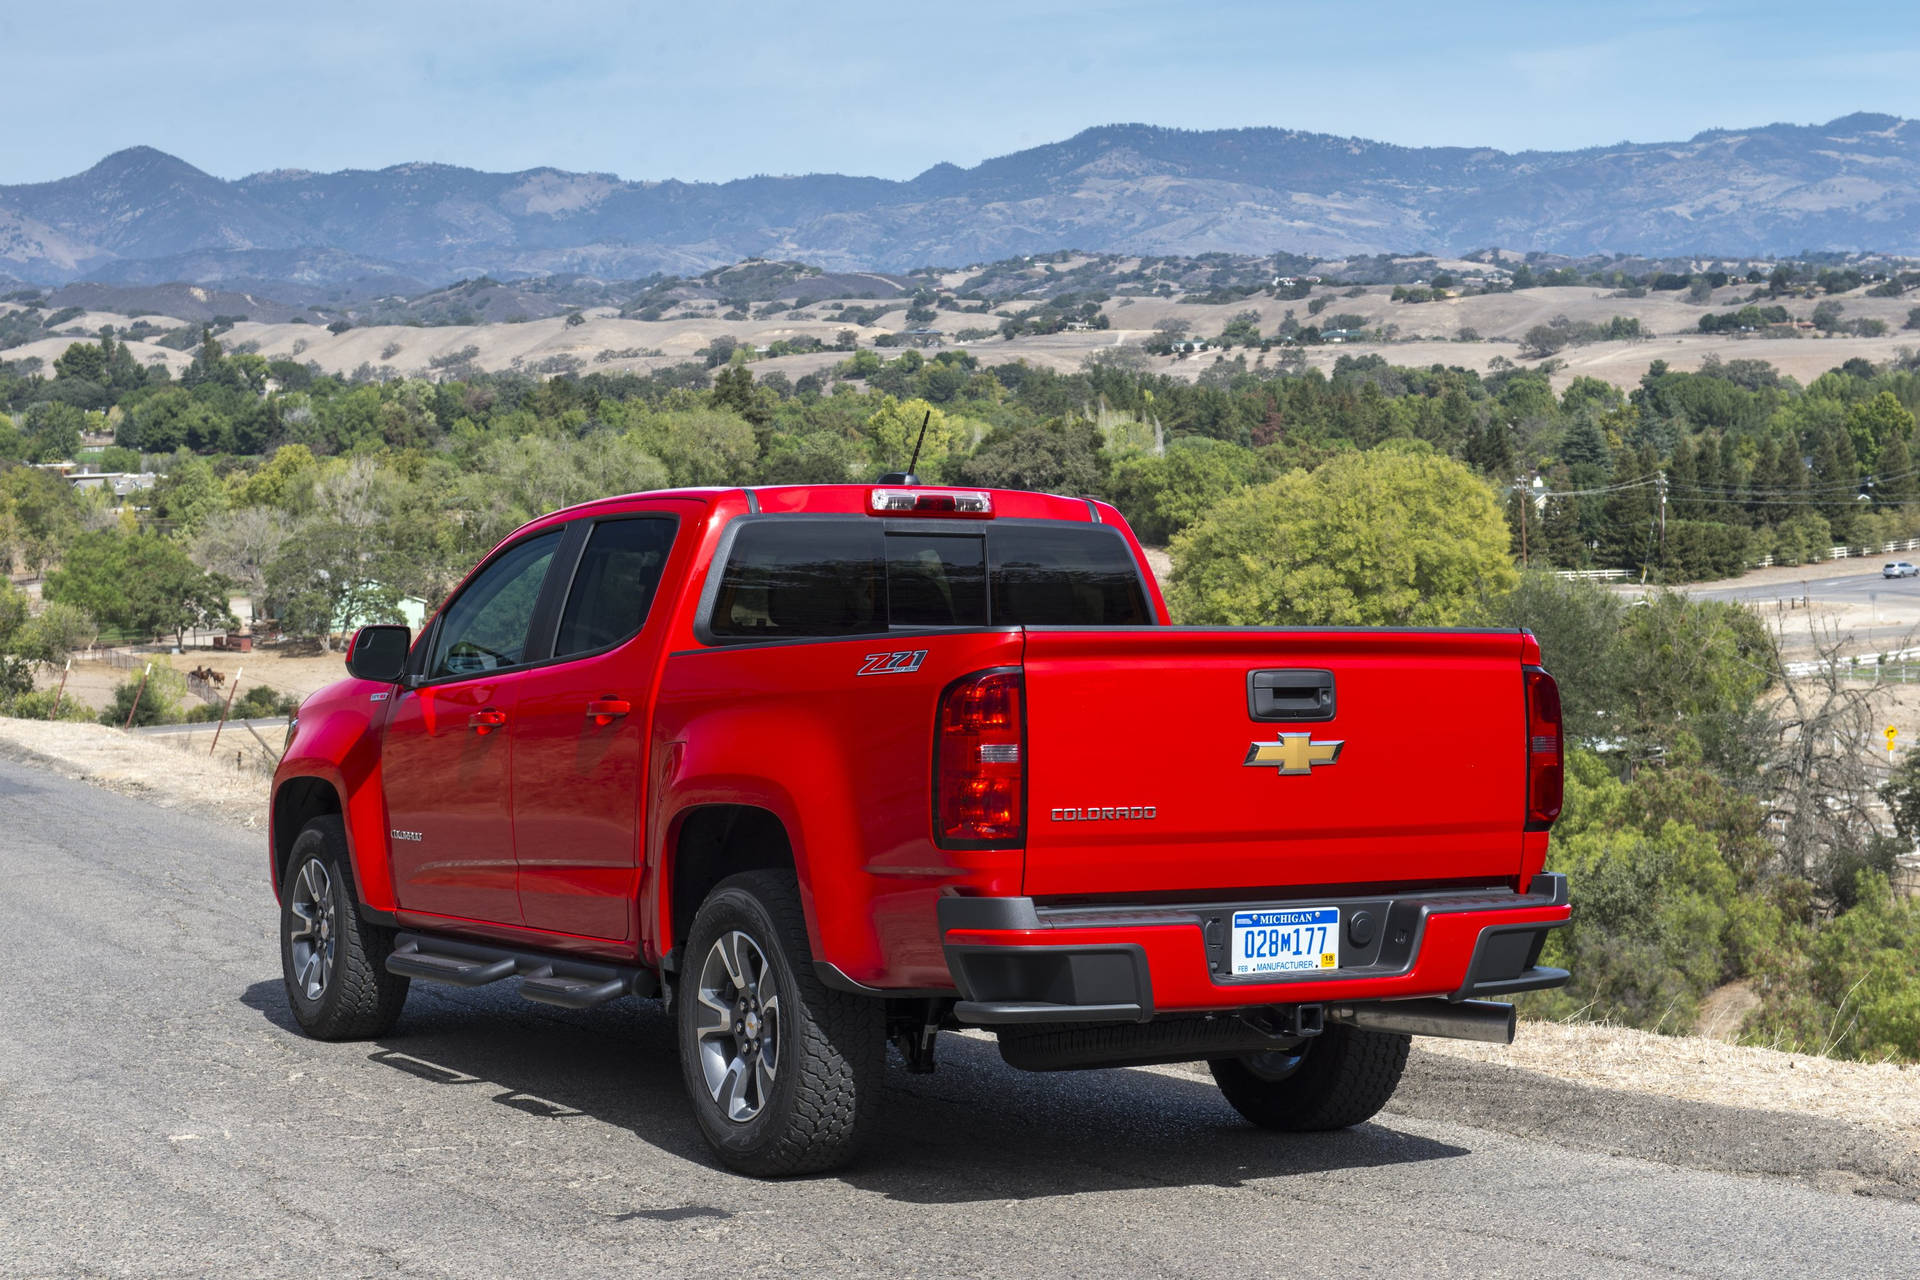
<point x="549" y="979"/>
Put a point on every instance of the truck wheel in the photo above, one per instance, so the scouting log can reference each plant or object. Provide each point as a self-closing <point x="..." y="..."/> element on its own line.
<point x="1338" y="1078"/>
<point x="334" y="963"/>
<point x="784" y="1074"/>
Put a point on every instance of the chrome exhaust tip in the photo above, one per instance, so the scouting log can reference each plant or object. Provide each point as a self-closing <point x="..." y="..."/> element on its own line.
<point x="1488" y="1021"/>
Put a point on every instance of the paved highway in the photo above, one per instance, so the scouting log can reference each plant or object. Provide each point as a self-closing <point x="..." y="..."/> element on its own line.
<point x="1857" y="587"/>
<point x="160" y="1117"/>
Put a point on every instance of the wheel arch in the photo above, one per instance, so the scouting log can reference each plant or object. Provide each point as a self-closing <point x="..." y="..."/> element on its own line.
<point x="710" y="842"/>
<point x="296" y="802"/>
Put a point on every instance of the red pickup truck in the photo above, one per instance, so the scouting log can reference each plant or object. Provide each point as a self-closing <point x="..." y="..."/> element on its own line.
<point x="835" y="767"/>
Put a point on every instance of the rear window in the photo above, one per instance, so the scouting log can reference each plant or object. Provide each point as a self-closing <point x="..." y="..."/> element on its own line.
<point x="789" y="578"/>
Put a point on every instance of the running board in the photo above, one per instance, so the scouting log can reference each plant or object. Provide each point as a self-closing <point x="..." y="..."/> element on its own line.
<point x="548" y="979"/>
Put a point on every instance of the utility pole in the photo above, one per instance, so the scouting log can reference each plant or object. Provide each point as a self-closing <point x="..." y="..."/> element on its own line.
<point x="1663" y="511"/>
<point x="1526" y="514"/>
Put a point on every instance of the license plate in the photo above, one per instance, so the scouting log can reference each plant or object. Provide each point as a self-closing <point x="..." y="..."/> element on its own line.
<point x="1286" y="941"/>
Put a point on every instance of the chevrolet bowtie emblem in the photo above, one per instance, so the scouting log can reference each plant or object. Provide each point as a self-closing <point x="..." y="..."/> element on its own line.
<point x="1294" y="753"/>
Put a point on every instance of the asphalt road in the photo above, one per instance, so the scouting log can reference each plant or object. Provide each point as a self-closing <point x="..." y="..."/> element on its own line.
<point x="160" y="1116"/>
<point x="1857" y="587"/>
<point x="276" y="723"/>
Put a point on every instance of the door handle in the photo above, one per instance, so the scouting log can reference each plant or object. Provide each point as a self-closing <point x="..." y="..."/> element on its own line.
<point x="606" y="710"/>
<point x="485" y="722"/>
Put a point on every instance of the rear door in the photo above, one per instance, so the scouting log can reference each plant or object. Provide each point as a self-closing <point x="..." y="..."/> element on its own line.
<point x="1175" y="761"/>
<point x="578" y="784"/>
<point x="445" y="758"/>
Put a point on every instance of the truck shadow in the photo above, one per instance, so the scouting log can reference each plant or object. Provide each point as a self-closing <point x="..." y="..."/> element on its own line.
<point x="975" y="1130"/>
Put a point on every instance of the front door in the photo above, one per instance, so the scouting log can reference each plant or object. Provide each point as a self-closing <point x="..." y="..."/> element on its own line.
<point x="446" y="761"/>
<point x="580" y="732"/>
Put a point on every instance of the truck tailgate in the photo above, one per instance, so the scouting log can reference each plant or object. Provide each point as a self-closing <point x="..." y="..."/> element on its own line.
<point x="1148" y="772"/>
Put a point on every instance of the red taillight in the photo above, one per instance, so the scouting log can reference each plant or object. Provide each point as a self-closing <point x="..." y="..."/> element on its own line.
<point x="980" y="780"/>
<point x="1546" y="769"/>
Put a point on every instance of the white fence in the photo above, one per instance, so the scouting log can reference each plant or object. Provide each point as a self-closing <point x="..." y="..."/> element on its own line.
<point x="1842" y="553"/>
<point x="1764" y="562"/>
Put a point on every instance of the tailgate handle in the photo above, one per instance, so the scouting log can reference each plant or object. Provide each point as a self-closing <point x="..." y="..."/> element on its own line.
<point x="1291" y="694"/>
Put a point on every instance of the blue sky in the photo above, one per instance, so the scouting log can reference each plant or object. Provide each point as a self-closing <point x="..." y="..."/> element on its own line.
<point x="722" y="89"/>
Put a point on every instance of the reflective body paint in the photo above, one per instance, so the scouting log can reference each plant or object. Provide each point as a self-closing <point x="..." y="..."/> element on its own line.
<point x="559" y="832"/>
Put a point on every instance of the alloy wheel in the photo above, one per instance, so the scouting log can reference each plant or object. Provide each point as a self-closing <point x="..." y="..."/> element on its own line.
<point x="737" y="1027"/>
<point x="311" y="931"/>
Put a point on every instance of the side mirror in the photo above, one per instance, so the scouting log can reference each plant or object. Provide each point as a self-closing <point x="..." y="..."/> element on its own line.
<point x="378" y="653"/>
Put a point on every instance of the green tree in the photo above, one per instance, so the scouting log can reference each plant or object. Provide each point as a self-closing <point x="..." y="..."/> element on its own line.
<point x="895" y="426"/>
<point x="1392" y="537"/>
<point x="86" y="361"/>
<point x="58" y="631"/>
<point x="1161" y="494"/>
<point x="698" y="446"/>
<point x="13" y="614"/>
<point x="1578" y="625"/>
<point x="189" y="495"/>
<point x="1060" y="455"/>
<point x="143" y="584"/>
<point x="1872" y="423"/>
<point x="330" y="576"/>
<point x="283" y="479"/>
<point x="53" y="430"/>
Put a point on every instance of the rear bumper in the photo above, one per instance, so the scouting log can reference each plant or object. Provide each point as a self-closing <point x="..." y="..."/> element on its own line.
<point x="1015" y="962"/>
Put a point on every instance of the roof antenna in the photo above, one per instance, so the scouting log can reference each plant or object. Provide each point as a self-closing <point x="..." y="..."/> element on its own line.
<point x="907" y="476"/>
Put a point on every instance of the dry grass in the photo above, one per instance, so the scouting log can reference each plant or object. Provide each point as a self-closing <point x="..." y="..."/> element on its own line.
<point x="1883" y="1096"/>
<point x="169" y="772"/>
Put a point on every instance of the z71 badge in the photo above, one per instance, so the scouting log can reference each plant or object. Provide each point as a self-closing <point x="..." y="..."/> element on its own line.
<point x="886" y="664"/>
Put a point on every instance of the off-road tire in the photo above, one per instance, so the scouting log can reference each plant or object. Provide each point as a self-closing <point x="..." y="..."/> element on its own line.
<point x="359" y="999"/>
<point x="1345" y="1076"/>
<point x="832" y="1051"/>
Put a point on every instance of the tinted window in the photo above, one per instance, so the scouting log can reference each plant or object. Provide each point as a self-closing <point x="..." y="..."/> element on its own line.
<point x="936" y="580"/>
<point x="613" y="587"/>
<point x="790" y="578"/>
<point x="802" y="578"/>
<point x="485" y="628"/>
<point x="1063" y="576"/>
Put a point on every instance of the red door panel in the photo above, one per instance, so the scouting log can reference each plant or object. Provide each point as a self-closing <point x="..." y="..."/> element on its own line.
<point x="578" y="785"/>
<point x="447" y="799"/>
<point x="577" y="796"/>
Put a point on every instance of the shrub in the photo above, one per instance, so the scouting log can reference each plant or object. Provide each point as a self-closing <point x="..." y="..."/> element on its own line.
<point x="158" y="704"/>
<point x="1851" y="988"/>
<point x="38" y="705"/>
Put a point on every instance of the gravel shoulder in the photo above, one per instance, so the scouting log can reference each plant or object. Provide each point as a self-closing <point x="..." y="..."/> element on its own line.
<point x="1684" y="1100"/>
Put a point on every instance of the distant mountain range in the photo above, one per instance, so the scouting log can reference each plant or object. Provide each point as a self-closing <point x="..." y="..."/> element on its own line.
<point x="142" y="216"/>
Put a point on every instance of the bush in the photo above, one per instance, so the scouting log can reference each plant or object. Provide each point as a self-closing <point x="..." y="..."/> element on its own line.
<point x="1657" y="869"/>
<point x="1803" y="539"/>
<point x="159" y="704"/>
<point x="38" y="705"/>
<point x="1850" y="988"/>
<point x="261" y="701"/>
